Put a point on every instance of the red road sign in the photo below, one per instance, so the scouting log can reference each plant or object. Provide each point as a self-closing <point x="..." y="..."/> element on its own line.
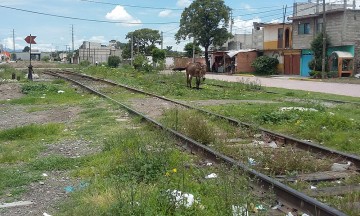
<point x="30" y="39"/>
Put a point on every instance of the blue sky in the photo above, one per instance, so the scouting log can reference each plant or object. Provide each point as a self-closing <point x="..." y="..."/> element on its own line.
<point x="54" y="33"/>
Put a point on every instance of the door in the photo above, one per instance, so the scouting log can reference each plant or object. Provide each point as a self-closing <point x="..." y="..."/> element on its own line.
<point x="292" y="64"/>
<point x="305" y="59"/>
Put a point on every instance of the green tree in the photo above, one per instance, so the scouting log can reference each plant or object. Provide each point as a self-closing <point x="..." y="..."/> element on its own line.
<point x="317" y="48"/>
<point x="189" y="49"/>
<point x="114" y="61"/>
<point x="158" y="55"/>
<point x="143" y="39"/>
<point x="26" y="49"/>
<point x="207" y="21"/>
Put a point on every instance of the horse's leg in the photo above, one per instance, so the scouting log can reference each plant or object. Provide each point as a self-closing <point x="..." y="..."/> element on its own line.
<point x="187" y="80"/>
<point x="197" y="82"/>
<point x="190" y="79"/>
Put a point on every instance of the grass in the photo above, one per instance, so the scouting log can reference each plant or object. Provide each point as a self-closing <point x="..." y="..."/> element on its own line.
<point x="140" y="170"/>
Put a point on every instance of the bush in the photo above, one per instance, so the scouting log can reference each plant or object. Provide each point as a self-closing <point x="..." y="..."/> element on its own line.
<point x="114" y="61"/>
<point x="84" y="63"/>
<point x="265" y="65"/>
<point x="45" y="58"/>
<point x="141" y="63"/>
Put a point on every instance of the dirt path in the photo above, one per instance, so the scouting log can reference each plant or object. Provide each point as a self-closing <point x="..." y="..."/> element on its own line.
<point x="352" y="90"/>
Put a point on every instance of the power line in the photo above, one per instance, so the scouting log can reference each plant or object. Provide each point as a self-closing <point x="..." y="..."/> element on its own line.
<point x="84" y="19"/>
<point x="134" y="6"/>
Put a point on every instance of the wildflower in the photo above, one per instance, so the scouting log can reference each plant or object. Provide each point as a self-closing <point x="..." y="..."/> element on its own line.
<point x="167" y="174"/>
<point x="174" y="170"/>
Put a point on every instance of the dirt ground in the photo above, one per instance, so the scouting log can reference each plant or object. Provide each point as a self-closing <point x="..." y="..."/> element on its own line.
<point x="48" y="192"/>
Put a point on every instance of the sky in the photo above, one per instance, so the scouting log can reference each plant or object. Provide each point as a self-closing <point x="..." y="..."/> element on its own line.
<point x="104" y="20"/>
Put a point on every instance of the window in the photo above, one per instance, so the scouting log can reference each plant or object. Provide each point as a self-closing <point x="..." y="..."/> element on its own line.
<point x="280" y="38"/>
<point x="319" y="27"/>
<point x="304" y="28"/>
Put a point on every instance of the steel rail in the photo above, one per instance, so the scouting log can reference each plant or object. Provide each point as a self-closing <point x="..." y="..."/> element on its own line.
<point x="285" y="194"/>
<point x="305" y="145"/>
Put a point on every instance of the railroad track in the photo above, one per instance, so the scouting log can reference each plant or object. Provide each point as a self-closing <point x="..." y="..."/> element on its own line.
<point x="285" y="194"/>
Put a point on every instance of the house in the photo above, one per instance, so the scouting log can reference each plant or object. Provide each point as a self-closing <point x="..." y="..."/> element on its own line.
<point x="342" y="27"/>
<point x="96" y="52"/>
<point x="275" y="40"/>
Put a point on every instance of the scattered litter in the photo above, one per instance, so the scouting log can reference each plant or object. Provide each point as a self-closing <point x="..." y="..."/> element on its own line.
<point x="14" y="204"/>
<point x="69" y="189"/>
<point x="257" y="135"/>
<point x="42" y="183"/>
<point x="298" y="108"/>
<point x="239" y="211"/>
<point x="211" y="176"/>
<point x="289" y="214"/>
<point x="46" y="214"/>
<point x="183" y="198"/>
<point x="313" y="187"/>
<point x="357" y="75"/>
<point x="339" y="182"/>
<point x="256" y="142"/>
<point x="305" y="214"/>
<point x="279" y="205"/>
<point x="331" y="113"/>
<point x="260" y="208"/>
<point x="42" y="97"/>
<point x="252" y="161"/>
<point x="44" y="174"/>
<point x="61" y="91"/>
<point x="272" y="144"/>
<point x="82" y="185"/>
<point x="337" y="167"/>
<point x="209" y="164"/>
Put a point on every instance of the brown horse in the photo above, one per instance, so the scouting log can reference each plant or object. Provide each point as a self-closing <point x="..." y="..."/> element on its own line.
<point x="196" y="70"/>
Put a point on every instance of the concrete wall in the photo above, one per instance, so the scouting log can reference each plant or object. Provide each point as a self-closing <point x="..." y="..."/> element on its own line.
<point x="240" y="41"/>
<point x="258" y="39"/>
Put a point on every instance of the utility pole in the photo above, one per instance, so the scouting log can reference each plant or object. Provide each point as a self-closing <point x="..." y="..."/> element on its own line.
<point x="231" y="21"/>
<point x="72" y="37"/>
<point x="132" y="49"/>
<point x="194" y="50"/>
<point x="324" y="42"/>
<point x="162" y="40"/>
<point x="13" y="44"/>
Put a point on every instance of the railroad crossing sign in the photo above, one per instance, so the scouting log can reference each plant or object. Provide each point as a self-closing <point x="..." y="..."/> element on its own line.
<point x="30" y="39"/>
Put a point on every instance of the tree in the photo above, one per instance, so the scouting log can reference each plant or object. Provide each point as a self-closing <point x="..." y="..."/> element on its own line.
<point x="114" y="61"/>
<point x="158" y="55"/>
<point x="207" y="21"/>
<point x="317" y="48"/>
<point x="189" y="49"/>
<point x="143" y="39"/>
<point x="26" y="49"/>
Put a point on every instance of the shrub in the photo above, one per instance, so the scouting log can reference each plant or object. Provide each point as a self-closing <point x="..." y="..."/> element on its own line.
<point x="265" y="65"/>
<point x="45" y="58"/>
<point x="114" y="61"/>
<point x="84" y="63"/>
<point x="141" y="63"/>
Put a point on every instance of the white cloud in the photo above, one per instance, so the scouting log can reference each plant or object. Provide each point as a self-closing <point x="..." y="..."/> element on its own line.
<point x="242" y="26"/>
<point x="183" y="3"/>
<point x="165" y="13"/>
<point x="121" y="15"/>
<point x="247" y="7"/>
<point x="98" y="39"/>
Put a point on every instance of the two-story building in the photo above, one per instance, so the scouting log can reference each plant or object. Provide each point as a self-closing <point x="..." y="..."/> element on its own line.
<point x="342" y="26"/>
<point x="276" y="40"/>
<point x="96" y="52"/>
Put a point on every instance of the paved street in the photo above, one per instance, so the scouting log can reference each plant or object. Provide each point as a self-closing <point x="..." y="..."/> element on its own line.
<point x="284" y="82"/>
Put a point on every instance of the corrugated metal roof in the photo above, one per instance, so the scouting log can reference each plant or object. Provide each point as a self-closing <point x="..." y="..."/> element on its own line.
<point x="342" y="54"/>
